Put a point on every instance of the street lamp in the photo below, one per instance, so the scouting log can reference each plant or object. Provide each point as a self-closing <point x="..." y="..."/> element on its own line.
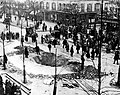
<point x="4" y="8"/>
<point x="99" y="46"/>
<point x="26" y="18"/>
<point x="74" y="13"/>
<point x="9" y="20"/>
<point x="24" y="72"/>
<point x="118" y="27"/>
<point x="55" y="78"/>
<point x="118" y="81"/>
<point x="3" y="38"/>
<point x="22" y="40"/>
<point x="35" y="19"/>
<point x="26" y="13"/>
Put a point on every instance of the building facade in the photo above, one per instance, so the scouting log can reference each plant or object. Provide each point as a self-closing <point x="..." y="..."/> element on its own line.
<point x="54" y="10"/>
<point x="83" y="5"/>
<point x="50" y="8"/>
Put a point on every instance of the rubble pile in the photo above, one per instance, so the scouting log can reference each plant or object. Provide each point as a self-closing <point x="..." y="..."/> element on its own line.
<point x="45" y="58"/>
<point x="89" y="71"/>
<point x="74" y="66"/>
<point x="39" y="76"/>
<point x="49" y="59"/>
<point x="12" y="69"/>
<point x="20" y="49"/>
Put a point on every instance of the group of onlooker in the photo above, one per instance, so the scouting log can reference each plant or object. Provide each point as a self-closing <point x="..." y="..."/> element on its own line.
<point x="9" y="88"/>
<point x="9" y="35"/>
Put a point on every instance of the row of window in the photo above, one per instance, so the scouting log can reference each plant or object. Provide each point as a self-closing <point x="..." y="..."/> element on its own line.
<point x="61" y="7"/>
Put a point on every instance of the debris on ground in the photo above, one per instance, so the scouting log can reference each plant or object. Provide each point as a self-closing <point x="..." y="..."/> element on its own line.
<point x="49" y="59"/>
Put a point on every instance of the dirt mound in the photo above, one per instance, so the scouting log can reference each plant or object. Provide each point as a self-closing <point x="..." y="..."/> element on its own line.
<point x="12" y="69"/>
<point x="45" y="58"/>
<point x="20" y="49"/>
<point x="49" y="59"/>
<point x="74" y="66"/>
<point x="89" y="72"/>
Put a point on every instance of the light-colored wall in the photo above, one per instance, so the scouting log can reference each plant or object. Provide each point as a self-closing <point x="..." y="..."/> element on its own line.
<point x="93" y="2"/>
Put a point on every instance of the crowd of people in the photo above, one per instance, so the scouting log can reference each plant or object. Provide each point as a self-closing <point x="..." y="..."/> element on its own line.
<point x="9" y="88"/>
<point x="89" y="42"/>
<point x="10" y="35"/>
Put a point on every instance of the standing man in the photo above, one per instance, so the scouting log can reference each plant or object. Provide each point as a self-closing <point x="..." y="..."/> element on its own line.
<point x="96" y="51"/>
<point x="26" y="52"/>
<point x="26" y="38"/>
<point x="82" y="60"/>
<point x="45" y="27"/>
<point x="71" y="51"/>
<point x="6" y="26"/>
<point x="37" y="50"/>
<point x="55" y="42"/>
<point x="64" y="43"/>
<point x="116" y="57"/>
<point x="92" y="54"/>
<point x="77" y="48"/>
<point x="42" y="39"/>
<point x="49" y="47"/>
<point x="50" y="29"/>
<point x="5" y="61"/>
<point x="1" y="86"/>
<point x="15" y="17"/>
<point x="67" y="47"/>
<point x="22" y="40"/>
<point x="88" y="53"/>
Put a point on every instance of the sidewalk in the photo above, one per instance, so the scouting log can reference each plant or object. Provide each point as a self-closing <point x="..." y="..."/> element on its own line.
<point x="38" y="69"/>
<point x="24" y="23"/>
<point x="106" y="57"/>
<point x="49" y="24"/>
<point x="60" y="51"/>
<point x="13" y="24"/>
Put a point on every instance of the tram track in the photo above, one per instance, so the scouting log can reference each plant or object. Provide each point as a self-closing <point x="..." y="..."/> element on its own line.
<point x="80" y="83"/>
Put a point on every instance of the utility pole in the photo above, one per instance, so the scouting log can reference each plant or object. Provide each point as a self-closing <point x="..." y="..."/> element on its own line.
<point x="24" y="72"/>
<point x="27" y="18"/>
<point x="34" y="13"/>
<point x="118" y="81"/>
<point x="55" y="78"/>
<point x="21" y="34"/>
<point x="34" y="21"/>
<point x="3" y="53"/>
<point x="100" y="45"/>
<point x="74" y="14"/>
<point x="118" y="27"/>
<point x="9" y="20"/>
<point x="26" y="14"/>
<point x="22" y="40"/>
<point x="4" y="8"/>
<point x="3" y="38"/>
<point x="44" y="15"/>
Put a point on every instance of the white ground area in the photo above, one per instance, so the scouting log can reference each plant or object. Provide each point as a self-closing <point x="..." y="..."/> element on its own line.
<point x="39" y="86"/>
